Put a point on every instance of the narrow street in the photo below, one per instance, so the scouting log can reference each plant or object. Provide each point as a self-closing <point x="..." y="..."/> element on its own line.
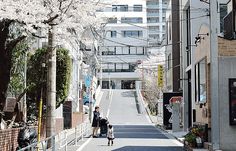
<point x="133" y="131"/>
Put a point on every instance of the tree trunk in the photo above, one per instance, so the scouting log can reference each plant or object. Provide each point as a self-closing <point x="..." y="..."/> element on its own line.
<point x="6" y="48"/>
<point x="4" y="63"/>
<point x="51" y="84"/>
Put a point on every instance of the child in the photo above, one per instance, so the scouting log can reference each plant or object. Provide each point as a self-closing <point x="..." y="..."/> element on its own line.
<point x="110" y="135"/>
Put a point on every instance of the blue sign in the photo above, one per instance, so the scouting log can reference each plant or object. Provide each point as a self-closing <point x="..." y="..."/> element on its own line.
<point x="87" y="81"/>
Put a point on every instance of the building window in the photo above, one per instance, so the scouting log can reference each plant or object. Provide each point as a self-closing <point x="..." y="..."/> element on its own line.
<point x="108" y="67"/>
<point x="140" y="50"/>
<point x="133" y="50"/>
<point x="170" y="30"/>
<point x="118" y="67"/>
<point x="152" y="2"/>
<point x="163" y="27"/>
<point x="164" y="2"/>
<point x="125" y="50"/>
<point x="131" y="20"/>
<point x="132" y="33"/>
<point x="153" y="19"/>
<point x="138" y="8"/>
<point x="223" y="13"/>
<point x="153" y="28"/>
<point x="200" y="81"/>
<point x="188" y="25"/>
<point x="163" y="11"/>
<point x="163" y="19"/>
<point x="113" y="34"/>
<point x="109" y="51"/>
<point x="119" y="51"/>
<point x="112" y="20"/>
<point x="154" y="36"/>
<point x="120" y="8"/>
<point x="114" y="8"/>
<point x="152" y="11"/>
<point x="168" y="61"/>
<point x="163" y="36"/>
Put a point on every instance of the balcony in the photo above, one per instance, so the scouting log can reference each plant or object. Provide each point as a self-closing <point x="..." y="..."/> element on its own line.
<point x="153" y="31"/>
<point x="155" y="6"/>
<point x="152" y="14"/>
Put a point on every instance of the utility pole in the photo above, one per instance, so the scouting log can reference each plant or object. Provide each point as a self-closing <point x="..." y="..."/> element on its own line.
<point x="51" y="84"/>
<point x="25" y="85"/>
<point x="214" y="76"/>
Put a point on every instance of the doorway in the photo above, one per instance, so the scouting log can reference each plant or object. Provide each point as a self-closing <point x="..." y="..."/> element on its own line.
<point x="127" y="84"/>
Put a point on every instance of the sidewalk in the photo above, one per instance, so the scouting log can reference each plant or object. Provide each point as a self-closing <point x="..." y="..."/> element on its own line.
<point x="70" y="141"/>
<point x="158" y="121"/>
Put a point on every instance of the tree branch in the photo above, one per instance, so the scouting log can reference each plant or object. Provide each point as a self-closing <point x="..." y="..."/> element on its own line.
<point x="50" y="19"/>
<point x="68" y="6"/>
<point x="37" y="36"/>
<point x="21" y="95"/>
<point x="14" y="42"/>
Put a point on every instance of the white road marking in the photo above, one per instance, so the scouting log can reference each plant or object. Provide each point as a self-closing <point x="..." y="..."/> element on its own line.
<point x="109" y="106"/>
<point x="84" y="144"/>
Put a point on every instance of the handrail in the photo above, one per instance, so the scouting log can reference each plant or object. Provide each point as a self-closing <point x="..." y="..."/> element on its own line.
<point x="79" y="133"/>
<point x="42" y="143"/>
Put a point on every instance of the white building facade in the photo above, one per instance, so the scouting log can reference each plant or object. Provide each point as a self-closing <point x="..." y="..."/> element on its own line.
<point x="156" y="21"/>
<point x="124" y="44"/>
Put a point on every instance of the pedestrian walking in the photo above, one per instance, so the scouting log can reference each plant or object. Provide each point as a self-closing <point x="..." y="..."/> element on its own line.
<point x="96" y="120"/>
<point x="110" y="134"/>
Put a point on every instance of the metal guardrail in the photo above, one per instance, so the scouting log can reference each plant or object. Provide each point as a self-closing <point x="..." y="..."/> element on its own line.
<point x="42" y="145"/>
<point x="140" y="101"/>
<point x="50" y="144"/>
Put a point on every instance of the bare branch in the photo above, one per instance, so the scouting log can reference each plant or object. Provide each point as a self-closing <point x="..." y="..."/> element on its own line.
<point x="37" y="36"/>
<point x="21" y="95"/>
<point x="14" y="42"/>
<point x="51" y="19"/>
<point x="71" y="2"/>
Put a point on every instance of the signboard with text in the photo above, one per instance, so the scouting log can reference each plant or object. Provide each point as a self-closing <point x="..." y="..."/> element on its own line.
<point x="232" y="101"/>
<point x="10" y="104"/>
<point x="160" y="76"/>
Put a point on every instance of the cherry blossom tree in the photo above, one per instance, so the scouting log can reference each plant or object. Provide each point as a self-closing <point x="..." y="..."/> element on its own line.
<point x="59" y="19"/>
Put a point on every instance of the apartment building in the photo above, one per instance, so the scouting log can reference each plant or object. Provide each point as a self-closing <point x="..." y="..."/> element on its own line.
<point x="156" y="21"/>
<point x="124" y="44"/>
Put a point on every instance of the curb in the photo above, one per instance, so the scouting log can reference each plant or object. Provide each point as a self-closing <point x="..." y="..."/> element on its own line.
<point x="161" y="128"/>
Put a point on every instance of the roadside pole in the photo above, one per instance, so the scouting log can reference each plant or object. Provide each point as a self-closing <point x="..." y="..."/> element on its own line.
<point x="214" y="76"/>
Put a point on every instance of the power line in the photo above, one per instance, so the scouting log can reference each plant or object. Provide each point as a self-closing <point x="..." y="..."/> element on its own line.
<point x="135" y="24"/>
<point x="194" y="8"/>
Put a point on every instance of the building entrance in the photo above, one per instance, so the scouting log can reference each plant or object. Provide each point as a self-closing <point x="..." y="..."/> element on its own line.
<point x="127" y="84"/>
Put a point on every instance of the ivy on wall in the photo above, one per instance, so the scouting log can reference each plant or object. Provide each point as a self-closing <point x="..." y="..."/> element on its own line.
<point x="37" y="79"/>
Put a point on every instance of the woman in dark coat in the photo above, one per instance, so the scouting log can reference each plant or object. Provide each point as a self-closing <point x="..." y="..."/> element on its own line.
<point x="96" y="119"/>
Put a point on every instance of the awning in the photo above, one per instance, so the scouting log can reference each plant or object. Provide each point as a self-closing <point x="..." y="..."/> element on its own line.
<point x="176" y="99"/>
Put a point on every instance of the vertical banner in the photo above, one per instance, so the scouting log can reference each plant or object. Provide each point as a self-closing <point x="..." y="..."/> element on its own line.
<point x="160" y="76"/>
<point x="232" y="101"/>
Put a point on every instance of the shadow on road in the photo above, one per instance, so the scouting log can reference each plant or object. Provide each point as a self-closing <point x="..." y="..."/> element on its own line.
<point x="128" y="94"/>
<point x="138" y="132"/>
<point x="149" y="148"/>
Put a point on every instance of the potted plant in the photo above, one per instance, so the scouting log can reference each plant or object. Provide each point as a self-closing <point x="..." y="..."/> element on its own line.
<point x="190" y="139"/>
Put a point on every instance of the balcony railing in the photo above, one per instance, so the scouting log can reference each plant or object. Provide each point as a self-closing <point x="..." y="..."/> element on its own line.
<point x="152" y="14"/>
<point x="153" y="6"/>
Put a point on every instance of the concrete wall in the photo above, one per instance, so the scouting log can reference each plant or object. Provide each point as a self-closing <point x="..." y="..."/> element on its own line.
<point x="200" y="52"/>
<point x="227" y="133"/>
<point x="227" y="62"/>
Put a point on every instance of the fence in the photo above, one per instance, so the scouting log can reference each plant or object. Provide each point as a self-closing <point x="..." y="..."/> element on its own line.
<point x="62" y="140"/>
